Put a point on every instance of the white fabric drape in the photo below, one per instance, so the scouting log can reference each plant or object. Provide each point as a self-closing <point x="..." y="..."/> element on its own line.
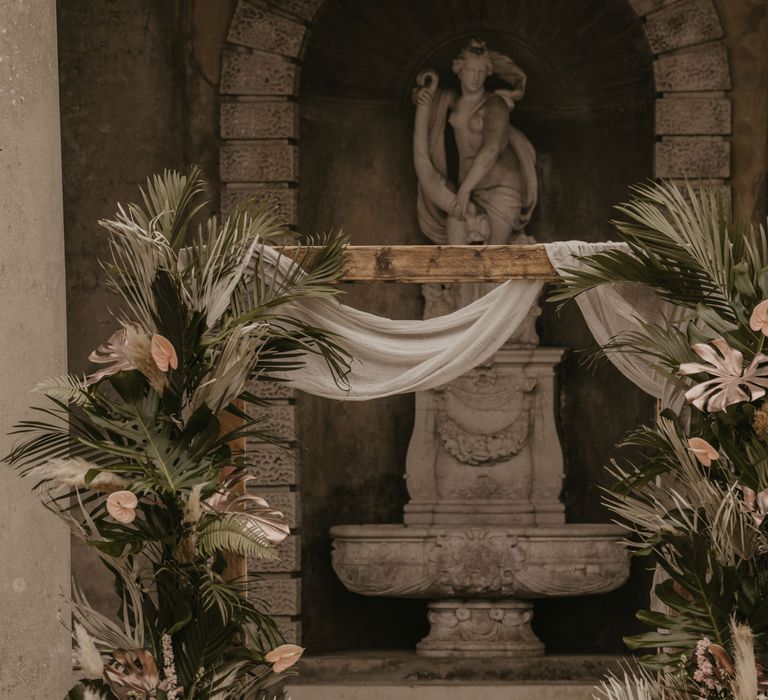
<point x="616" y="309"/>
<point x="395" y="357"/>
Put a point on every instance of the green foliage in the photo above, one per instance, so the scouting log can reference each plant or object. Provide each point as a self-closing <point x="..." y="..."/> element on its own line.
<point x="702" y="523"/>
<point x="206" y="311"/>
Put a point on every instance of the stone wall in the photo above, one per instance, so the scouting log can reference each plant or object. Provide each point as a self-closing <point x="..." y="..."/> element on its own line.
<point x="35" y="656"/>
<point x="141" y="91"/>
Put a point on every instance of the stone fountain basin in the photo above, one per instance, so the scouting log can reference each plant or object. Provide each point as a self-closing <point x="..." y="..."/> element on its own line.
<point x="523" y="562"/>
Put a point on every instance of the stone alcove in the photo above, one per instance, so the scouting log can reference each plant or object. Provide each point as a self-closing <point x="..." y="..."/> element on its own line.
<point x="314" y="109"/>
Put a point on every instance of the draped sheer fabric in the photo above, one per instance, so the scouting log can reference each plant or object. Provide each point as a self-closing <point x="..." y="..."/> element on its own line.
<point x="395" y="357"/>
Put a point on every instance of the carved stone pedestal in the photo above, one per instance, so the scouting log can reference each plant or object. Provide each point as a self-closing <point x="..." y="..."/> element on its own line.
<point x="485" y="528"/>
<point x="480" y="628"/>
<point x="485" y="448"/>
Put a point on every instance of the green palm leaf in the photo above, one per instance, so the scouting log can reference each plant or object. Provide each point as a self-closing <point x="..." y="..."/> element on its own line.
<point x="235" y="532"/>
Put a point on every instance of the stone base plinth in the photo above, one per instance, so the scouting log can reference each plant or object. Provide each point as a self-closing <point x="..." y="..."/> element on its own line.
<point x="480" y="628"/>
<point x="493" y="691"/>
<point x="403" y="675"/>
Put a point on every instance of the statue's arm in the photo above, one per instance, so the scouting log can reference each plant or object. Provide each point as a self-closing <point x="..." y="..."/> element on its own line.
<point x="495" y="139"/>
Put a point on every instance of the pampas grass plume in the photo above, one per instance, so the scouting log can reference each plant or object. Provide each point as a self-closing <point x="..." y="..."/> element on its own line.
<point x="88" y="657"/>
<point x="745" y="680"/>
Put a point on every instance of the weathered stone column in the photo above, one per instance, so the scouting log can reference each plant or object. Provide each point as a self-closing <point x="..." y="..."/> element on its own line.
<point x="35" y="651"/>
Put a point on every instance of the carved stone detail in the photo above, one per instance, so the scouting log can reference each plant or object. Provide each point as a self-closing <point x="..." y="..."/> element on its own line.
<point x="485" y="449"/>
<point x="476" y="561"/>
<point x="480" y="628"/>
<point x="500" y="411"/>
<point x="462" y="562"/>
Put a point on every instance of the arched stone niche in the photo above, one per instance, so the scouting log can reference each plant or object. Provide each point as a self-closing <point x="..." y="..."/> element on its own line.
<point x="314" y="110"/>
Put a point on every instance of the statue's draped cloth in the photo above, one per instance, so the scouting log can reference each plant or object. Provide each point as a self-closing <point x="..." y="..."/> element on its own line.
<point x="396" y="357"/>
<point x="432" y="166"/>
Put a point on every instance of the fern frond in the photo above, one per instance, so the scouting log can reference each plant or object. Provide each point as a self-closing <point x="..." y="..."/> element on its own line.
<point x="235" y="532"/>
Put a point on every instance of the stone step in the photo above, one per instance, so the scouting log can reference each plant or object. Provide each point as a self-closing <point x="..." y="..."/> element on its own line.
<point x="441" y="691"/>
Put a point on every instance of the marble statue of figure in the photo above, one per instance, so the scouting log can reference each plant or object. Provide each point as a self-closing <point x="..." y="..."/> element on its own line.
<point x="496" y="190"/>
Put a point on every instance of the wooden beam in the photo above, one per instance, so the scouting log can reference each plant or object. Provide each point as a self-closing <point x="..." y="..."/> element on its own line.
<point x="444" y="263"/>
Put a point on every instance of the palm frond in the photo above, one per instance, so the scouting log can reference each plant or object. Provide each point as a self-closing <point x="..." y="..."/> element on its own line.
<point x="168" y="204"/>
<point x="683" y="243"/>
<point x="276" y="280"/>
<point x="235" y="532"/>
<point x="66" y="388"/>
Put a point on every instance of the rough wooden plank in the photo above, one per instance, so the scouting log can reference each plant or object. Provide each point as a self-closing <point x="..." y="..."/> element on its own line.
<point x="443" y="264"/>
<point x="236" y="568"/>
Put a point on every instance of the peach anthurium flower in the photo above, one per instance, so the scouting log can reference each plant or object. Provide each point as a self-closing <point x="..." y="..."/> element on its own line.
<point x="231" y="498"/>
<point x="702" y="450"/>
<point x="163" y="353"/>
<point x="732" y="383"/>
<point x="758" y="321"/>
<point x="121" y="505"/>
<point x="127" y="349"/>
<point x="284" y="657"/>
<point x="757" y="503"/>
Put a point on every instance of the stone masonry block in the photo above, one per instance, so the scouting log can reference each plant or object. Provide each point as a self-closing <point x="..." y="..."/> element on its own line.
<point x="289" y="628"/>
<point x="643" y="7"/>
<point x="286" y="201"/>
<point x="683" y="24"/>
<point x="257" y="73"/>
<point x="305" y="9"/>
<point x="259" y="120"/>
<point x="289" y="560"/>
<point x="723" y="189"/>
<point x="276" y="419"/>
<point x="271" y="465"/>
<point x="696" y="69"/>
<point x="255" y="26"/>
<point x="258" y="161"/>
<point x="271" y="390"/>
<point x="281" y="593"/>
<point x="693" y="115"/>
<point x="287" y="502"/>
<point x="693" y="157"/>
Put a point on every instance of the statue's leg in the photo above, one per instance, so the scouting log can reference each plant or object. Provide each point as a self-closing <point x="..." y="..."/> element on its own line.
<point x="455" y="231"/>
<point x="501" y="226"/>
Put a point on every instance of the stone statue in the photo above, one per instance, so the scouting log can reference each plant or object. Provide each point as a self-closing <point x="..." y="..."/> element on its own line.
<point x="496" y="190"/>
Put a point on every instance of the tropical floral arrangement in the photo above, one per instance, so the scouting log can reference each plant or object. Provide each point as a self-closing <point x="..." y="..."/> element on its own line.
<point x="694" y="493"/>
<point x="135" y="458"/>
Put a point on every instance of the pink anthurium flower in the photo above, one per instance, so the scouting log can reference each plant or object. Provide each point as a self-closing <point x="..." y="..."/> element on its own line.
<point x="732" y="383"/>
<point x="163" y="353"/>
<point x="702" y="450"/>
<point x="121" y="505"/>
<point x="758" y="321"/>
<point x="284" y="657"/>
